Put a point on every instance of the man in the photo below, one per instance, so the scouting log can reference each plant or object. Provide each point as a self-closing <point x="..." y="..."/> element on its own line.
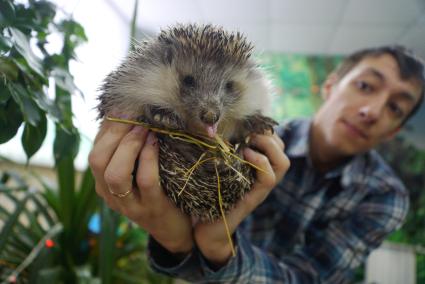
<point x="336" y="203"/>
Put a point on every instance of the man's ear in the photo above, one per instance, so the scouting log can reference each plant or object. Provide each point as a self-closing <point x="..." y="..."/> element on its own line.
<point x="327" y="86"/>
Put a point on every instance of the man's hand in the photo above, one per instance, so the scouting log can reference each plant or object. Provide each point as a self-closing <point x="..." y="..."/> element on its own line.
<point x="116" y="148"/>
<point x="211" y="238"/>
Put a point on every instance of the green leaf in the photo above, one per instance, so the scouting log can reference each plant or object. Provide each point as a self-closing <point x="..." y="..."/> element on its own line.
<point x="71" y="27"/>
<point x="87" y="204"/>
<point x="45" y="12"/>
<point x="50" y="275"/>
<point x="64" y="80"/>
<point x="7" y="229"/>
<point x="33" y="136"/>
<point x="4" y="92"/>
<point x="66" y="143"/>
<point x="43" y="209"/>
<point x="53" y="201"/>
<point x="5" y="43"/>
<point x="8" y="68"/>
<point x="10" y="120"/>
<point x="48" y="106"/>
<point x="109" y="221"/>
<point x="29" y="108"/>
<point x="66" y="179"/>
<point x="7" y="12"/>
<point x="22" y="45"/>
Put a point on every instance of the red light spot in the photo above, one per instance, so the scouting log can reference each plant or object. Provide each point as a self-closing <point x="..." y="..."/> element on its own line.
<point x="49" y="243"/>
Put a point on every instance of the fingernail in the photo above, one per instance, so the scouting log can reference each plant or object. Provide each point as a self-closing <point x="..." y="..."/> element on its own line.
<point x="138" y="129"/>
<point x="123" y="116"/>
<point x="248" y="151"/>
<point x="151" y="139"/>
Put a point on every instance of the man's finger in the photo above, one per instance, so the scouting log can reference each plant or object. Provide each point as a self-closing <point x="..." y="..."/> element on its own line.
<point x="118" y="174"/>
<point x="266" y="175"/>
<point x="147" y="176"/>
<point x="268" y="145"/>
<point x="111" y="127"/>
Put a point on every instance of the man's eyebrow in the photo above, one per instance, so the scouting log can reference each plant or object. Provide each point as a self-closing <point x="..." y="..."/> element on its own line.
<point x="407" y="96"/>
<point x="375" y="73"/>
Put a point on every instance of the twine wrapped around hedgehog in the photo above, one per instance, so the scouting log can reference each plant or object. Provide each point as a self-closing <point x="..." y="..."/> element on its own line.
<point x="199" y="89"/>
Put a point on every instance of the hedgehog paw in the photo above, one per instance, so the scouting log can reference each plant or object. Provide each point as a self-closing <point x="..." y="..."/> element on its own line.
<point x="260" y="124"/>
<point x="164" y="118"/>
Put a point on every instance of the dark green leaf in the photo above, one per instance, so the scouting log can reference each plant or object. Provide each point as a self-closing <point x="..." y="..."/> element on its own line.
<point x="53" y="201"/>
<point x="66" y="178"/>
<point x="8" y="68"/>
<point x="50" y="275"/>
<point x="55" y="60"/>
<point x="43" y="209"/>
<point x="29" y="108"/>
<point x="48" y="105"/>
<point x="45" y="12"/>
<point x="87" y="205"/>
<point x="33" y="136"/>
<point x="66" y="143"/>
<point x="10" y="120"/>
<point x="25" y="19"/>
<point x="7" y="229"/>
<point x="7" y="12"/>
<point x="5" y="43"/>
<point x="109" y="221"/>
<point x="71" y="27"/>
<point x="64" y="80"/>
<point x="21" y="43"/>
<point x="4" y="93"/>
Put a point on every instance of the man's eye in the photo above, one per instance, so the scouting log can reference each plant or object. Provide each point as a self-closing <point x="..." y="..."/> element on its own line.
<point x="364" y="86"/>
<point x="394" y="108"/>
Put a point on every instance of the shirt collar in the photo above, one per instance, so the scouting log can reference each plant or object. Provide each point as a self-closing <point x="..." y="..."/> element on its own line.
<point x="298" y="145"/>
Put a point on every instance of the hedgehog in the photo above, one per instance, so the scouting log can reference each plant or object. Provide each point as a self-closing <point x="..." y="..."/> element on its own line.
<point x="203" y="81"/>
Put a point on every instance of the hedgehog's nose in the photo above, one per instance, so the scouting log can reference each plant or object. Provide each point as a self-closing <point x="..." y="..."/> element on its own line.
<point x="209" y="117"/>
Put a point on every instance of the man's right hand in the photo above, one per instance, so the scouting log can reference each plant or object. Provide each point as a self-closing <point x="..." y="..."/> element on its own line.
<point x="116" y="148"/>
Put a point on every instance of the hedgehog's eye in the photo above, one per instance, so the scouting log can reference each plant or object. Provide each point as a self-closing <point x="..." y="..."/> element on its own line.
<point x="189" y="81"/>
<point x="230" y="86"/>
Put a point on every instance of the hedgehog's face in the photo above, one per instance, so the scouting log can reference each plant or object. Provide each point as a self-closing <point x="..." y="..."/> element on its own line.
<point x="209" y="95"/>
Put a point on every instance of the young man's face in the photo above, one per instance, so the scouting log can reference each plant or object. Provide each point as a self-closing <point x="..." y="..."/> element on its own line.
<point x="366" y="106"/>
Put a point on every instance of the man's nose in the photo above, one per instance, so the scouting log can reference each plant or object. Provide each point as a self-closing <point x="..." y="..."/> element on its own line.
<point x="372" y="110"/>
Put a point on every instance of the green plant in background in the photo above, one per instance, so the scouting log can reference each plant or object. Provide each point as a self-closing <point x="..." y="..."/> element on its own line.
<point x="409" y="162"/>
<point x="298" y="80"/>
<point x="45" y="237"/>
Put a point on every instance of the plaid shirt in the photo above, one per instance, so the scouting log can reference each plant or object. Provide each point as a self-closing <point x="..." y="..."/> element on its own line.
<point x="312" y="228"/>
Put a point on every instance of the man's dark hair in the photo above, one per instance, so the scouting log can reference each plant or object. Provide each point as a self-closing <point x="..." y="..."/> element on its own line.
<point x="411" y="67"/>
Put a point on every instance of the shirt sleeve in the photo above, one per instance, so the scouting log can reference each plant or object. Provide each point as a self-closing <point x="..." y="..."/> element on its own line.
<point x="167" y="263"/>
<point x="329" y="254"/>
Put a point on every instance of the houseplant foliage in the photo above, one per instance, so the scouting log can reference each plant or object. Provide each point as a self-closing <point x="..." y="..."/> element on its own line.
<point x="44" y="232"/>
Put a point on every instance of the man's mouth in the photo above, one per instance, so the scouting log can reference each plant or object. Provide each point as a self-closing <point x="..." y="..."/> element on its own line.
<point x="356" y="130"/>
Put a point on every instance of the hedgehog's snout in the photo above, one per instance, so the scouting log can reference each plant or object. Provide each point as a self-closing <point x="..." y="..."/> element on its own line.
<point x="209" y="116"/>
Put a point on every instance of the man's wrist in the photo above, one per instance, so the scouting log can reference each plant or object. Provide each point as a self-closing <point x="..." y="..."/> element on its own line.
<point x="217" y="256"/>
<point x="165" y="256"/>
<point x="178" y="248"/>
